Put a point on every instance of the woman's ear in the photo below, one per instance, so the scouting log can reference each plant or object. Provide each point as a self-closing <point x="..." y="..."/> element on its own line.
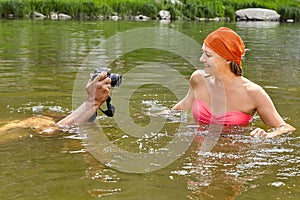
<point x="228" y="62"/>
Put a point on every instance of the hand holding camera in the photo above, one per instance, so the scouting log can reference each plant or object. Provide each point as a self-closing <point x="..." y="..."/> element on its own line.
<point x="98" y="90"/>
<point x="115" y="81"/>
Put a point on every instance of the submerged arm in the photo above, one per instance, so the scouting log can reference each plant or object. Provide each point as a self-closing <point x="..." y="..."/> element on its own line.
<point x="282" y="129"/>
<point x="270" y="117"/>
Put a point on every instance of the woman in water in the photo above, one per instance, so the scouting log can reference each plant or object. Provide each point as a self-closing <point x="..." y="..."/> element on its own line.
<point x="221" y="95"/>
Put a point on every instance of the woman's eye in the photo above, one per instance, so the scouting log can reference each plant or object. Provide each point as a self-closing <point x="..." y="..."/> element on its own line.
<point x="207" y="54"/>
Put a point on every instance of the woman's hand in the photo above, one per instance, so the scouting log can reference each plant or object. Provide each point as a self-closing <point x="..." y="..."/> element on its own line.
<point x="258" y="132"/>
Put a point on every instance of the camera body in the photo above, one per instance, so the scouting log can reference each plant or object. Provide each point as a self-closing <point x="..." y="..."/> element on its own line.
<point x="116" y="79"/>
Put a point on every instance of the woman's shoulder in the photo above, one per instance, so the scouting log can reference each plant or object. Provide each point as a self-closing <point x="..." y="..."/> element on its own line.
<point x="199" y="73"/>
<point x="251" y="87"/>
<point x="198" y="77"/>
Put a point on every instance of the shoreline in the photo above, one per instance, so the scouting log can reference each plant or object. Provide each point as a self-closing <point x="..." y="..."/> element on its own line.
<point x="142" y="10"/>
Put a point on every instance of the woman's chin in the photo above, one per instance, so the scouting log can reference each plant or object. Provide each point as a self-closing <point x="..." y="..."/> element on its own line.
<point x="207" y="70"/>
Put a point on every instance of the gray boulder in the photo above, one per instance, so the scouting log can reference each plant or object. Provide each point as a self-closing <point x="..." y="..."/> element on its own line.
<point x="141" y="18"/>
<point x="164" y="15"/>
<point x="257" y="14"/>
<point x="64" y="16"/>
<point x="37" y="15"/>
<point x="56" y="16"/>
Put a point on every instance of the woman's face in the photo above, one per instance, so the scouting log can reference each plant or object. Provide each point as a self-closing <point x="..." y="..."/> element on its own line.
<point x="211" y="60"/>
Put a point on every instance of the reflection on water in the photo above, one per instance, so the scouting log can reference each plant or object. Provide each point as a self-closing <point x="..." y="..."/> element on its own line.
<point x="257" y="24"/>
<point x="38" y="65"/>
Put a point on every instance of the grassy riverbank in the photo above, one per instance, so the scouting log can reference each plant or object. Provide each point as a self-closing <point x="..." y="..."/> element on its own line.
<point x="188" y="9"/>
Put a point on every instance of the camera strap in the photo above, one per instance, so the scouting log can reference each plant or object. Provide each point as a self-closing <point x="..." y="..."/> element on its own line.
<point x="110" y="108"/>
<point x="109" y="112"/>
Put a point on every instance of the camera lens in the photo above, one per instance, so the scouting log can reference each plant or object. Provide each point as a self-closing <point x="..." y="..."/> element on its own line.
<point x="116" y="80"/>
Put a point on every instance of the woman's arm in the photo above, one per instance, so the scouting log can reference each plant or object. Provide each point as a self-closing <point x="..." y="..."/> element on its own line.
<point x="286" y="128"/>
<point x="186" y="102"/>
<point x="98" y="91"/>
<point x="269" y="116"/>
<point x="196" y="81"/>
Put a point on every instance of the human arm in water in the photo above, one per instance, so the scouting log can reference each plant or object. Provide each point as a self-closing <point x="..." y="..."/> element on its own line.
<point x="269" y="115"/>
<point x="98" y="91"/>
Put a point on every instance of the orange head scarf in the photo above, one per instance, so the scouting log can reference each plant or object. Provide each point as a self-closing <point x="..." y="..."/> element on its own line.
<point x="227" y="44"/>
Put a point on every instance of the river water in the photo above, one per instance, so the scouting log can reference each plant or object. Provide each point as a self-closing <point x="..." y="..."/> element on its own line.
<point x="45" y="64"/>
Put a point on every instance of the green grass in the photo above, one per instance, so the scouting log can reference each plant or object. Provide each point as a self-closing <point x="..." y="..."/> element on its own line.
<point x="190" y="9"/>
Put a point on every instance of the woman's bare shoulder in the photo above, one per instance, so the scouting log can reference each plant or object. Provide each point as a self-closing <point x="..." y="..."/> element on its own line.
<point x="251" y="86"/>
<point x="198" y="76"/>
<point x="200" y="73"/>
<point x="253" y="89"/>
<point x="197" y="79"/>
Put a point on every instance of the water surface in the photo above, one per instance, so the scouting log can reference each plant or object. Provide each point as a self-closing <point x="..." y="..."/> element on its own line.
<point x="39" y="61"/>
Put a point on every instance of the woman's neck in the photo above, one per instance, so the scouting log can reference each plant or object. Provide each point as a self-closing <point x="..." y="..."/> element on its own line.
<point x="226" y="77"/>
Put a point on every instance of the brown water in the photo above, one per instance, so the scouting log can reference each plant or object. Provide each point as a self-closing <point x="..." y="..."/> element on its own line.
<point x="39" y="65"/>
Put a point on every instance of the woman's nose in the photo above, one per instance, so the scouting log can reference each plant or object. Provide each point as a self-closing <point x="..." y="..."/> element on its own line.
<point x="202" y="58"/>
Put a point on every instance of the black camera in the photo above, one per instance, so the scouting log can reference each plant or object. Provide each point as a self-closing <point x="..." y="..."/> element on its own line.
<point x="116" y="79"/>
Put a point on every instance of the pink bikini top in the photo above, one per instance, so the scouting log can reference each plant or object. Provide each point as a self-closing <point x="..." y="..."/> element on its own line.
<point x="202" y="113"/>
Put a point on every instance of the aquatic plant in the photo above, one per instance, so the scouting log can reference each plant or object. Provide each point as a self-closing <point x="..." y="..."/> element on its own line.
<point x="105" y="10"/>
<point x="289" y="13"/>
<point x="14" y="8"/>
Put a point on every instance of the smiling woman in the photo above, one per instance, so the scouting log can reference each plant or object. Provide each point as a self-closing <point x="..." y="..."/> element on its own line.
<point x="227" y="97"/>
